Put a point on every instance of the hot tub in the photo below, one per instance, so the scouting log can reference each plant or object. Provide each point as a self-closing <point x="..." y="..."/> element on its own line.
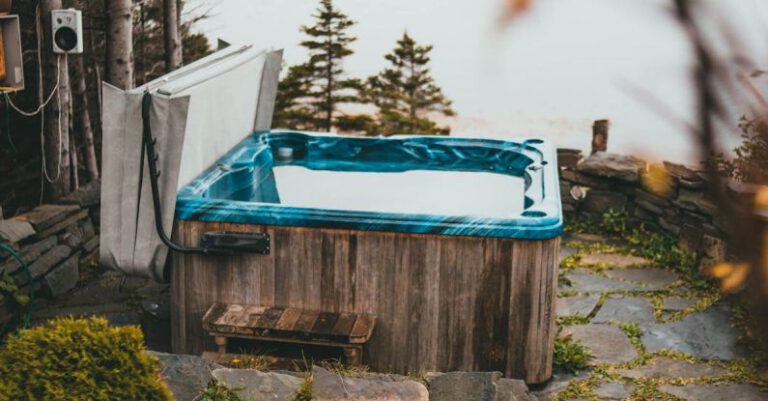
<point x="451" y="243"/>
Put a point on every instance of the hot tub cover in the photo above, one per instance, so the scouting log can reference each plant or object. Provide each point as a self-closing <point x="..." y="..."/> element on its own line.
<point x="198" y="113"/>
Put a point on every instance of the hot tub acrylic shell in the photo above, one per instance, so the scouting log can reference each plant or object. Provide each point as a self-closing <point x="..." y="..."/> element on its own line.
<point x="451" y="292"/>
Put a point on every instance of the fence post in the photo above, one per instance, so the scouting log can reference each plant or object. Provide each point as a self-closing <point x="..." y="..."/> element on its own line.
<point x="600" y="136"/>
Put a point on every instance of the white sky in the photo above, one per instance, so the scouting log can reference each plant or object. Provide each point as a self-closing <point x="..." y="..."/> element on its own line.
<point x="549" y="75"/>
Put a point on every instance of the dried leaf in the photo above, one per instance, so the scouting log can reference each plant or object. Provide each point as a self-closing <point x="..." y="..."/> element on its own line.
<point x="657" y="180"/>
<point x="720" y="270"/>
<point x="761" y="197"/>
<point x="512" y="8"/>
<point x="736" y="280"/>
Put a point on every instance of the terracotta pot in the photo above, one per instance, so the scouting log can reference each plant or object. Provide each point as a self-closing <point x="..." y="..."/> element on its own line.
<point x="5" y="6"/>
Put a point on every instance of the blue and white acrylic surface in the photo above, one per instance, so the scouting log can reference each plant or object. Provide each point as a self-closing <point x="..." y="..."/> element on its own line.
<point x="407" y="184"/>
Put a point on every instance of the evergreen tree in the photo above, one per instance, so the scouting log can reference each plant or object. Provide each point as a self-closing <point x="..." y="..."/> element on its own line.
<point x="406" y="94"/>
<point x="319" y="83"/>
<point x="291" y="108"/>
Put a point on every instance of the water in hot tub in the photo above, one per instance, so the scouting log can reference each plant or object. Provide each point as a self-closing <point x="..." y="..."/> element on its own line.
<point x="450" y="193"/>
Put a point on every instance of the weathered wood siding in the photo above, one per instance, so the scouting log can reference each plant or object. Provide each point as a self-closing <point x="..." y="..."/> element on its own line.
<point x="443" y="303"/>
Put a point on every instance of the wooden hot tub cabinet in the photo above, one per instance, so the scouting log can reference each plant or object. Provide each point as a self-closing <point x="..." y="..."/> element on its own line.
<point x="442" y="303"/>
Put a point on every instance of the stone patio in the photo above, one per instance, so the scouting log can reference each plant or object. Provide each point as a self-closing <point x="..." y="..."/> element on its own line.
<point x="688" y="347"/>
<point x="652" y="336"/>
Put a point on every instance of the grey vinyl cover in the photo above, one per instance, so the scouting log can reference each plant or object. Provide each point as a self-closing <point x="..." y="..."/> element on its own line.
<point x="199" y="112"/>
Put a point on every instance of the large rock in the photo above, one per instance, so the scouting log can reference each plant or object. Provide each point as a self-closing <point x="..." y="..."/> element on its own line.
<point x="609" y="165"/>
<point x="706" y="335"/>
<point x="328" y="386"/>
<point x="186" y="375"/>
<point x="714" y="392"/>
<point x="607" y="342"/>
<point x="513" y="390"/>
<point x="653" y="279"/>
<point x="629" y="309"/>
<point x="614" y="391"/>
<point x="583" y="280"/>
<point x="252" y="385"/>
<point x="581" y="305"/>
<point x="668" y="368"/>
<point x="613" y="260"/>
<point x="459" y="386"/>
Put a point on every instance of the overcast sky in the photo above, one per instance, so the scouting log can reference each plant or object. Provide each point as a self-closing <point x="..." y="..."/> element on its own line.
<point x="550" y="74"/>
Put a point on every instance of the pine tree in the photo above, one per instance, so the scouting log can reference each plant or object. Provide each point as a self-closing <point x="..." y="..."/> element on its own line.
<point x="406" y="93"/>
<point x="320" y="82"/>
<point x="291" y="107"/>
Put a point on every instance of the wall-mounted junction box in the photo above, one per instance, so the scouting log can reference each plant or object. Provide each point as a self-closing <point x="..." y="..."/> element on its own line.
<point x="11" y="54"/>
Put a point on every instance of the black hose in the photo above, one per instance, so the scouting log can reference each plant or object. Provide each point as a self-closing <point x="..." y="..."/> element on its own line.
<point x="149" y="146"/>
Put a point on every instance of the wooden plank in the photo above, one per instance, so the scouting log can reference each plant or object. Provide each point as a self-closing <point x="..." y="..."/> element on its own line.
<point x="362" y="330"/>
<point x="269" y="319"/>
<point x="324" y="324"/>
<point x="343" y="326"/>
<point x="306" y="321"/>
<point x="288" y="320"/>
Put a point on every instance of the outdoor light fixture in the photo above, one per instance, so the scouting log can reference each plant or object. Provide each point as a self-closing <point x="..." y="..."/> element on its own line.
<point x="67" y="31"/>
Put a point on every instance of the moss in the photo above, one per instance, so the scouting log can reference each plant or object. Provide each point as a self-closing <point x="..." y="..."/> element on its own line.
<point x="570" y="355"/>
<point x="217" y="392"/>
<point x="79" y="359"/>
<point x="635" y="335"/>
<point x="572" y="320"/>
<point x="305" y="391"/>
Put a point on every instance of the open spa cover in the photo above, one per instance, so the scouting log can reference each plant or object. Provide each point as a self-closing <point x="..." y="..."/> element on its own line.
<point x="198" y="113"/>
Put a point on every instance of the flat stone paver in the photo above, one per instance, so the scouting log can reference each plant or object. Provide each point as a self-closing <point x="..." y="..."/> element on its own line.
<point x="578" y="305"/>
<point x="663" y="367"/>
<point x="625" y="309"/>
<point x="654" y="278"/>
<point x="558" y="383"/>
<point x="583" y="280"/>
<point x="677" y="304"/>
<point x="607" y="342"/>
<point x="613" y="260"/>
<point x="712" y="392"/>
<point x="614" y="391"/>
<point x="706" y="335"/>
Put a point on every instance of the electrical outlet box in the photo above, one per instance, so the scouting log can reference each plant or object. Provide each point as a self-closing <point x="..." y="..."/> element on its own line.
<point x="67" y="31"/>
<point x="11" y="54"/>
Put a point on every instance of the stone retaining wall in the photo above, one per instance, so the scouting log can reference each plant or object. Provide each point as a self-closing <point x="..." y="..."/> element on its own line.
<point x="54" y="240"/>
<point x="669" y="198"/>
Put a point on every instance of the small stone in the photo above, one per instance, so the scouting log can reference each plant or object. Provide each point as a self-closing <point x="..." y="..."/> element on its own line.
<point x="600" y="201"/>
<point x="614" y="391"/>
<point x="714" y="248"/>
<point x="328" y="386"/>
<point x="85" y="196"/>
<point x="583" y="280"/>
<point x="653" y="279"/>
<point x="459" y="386"/>
<point x="63" y="278"/>
<point x="45" y="216"/>
<point x="714" y="392"/>
<point x="14" y="231"/>
<point x="581" y="305"/>
<point x="608" y="343"/>
<point x="663" y="367"/>
<point x="682" y="171"/>
<point x="707" y="335"/>
<point x="629" y="309"/>
<point x="695" y="201"/>
<point x="603" y="164"/>
<point x="252" y="385"/>
<point x="613" y="260"/>
<point x="678" y="303"/>
<point x="186" y="375"/>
